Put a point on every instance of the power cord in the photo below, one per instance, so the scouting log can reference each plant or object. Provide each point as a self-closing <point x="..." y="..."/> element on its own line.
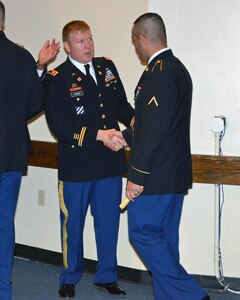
<point x="220" y="275"/>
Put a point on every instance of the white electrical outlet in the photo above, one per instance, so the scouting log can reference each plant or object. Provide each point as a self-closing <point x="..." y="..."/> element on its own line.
<point x="41" y="197"/>
<point x="217" y="124"/>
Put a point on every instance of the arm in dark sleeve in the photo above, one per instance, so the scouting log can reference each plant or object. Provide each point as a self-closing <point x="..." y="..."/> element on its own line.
<point x="128" y="135"/>
<point x="35" y="94"/>
<point x="41" y="73"/>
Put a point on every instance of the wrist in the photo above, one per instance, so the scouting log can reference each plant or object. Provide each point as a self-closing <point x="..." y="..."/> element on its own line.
<point x="99" y="135"/>
<point x="41" y="66"/>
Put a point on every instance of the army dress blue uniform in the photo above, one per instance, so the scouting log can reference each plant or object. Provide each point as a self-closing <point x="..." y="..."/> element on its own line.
<point x="160" y="161"/>
<point x="89" y="173"/>
<point x="21" y="97"/>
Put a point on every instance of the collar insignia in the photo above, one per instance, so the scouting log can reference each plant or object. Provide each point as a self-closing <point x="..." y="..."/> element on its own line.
<point x="53" y="72"/>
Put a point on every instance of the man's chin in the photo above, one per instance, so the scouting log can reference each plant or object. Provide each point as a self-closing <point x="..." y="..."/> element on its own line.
<point x="88" y="57"/>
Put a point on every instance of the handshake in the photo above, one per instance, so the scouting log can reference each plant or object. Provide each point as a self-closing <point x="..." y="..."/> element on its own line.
<point x="112" y="139"/>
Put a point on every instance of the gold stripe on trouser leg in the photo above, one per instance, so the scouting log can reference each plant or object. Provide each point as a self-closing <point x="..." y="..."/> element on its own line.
<point x="64" y="229"/>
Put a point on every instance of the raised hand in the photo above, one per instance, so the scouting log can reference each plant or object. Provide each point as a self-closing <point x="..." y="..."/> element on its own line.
<point x="47" y="53"/>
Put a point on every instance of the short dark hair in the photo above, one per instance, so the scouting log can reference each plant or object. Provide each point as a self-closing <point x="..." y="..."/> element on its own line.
<point x="2" y="14"/>
<point x="76" y="25"/>
<point x="152" y="26"/>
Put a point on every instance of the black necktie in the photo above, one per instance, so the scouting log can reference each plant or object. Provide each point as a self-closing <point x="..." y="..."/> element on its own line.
<point x="88" y="75"/>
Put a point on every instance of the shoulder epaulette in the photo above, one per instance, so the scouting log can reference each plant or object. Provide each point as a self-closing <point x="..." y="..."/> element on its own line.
<point x="19" y="45"/>
<point x="52" y="72"/>
<point x="107" y="58"/>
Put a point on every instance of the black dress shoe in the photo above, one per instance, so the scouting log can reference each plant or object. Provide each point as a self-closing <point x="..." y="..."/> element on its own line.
<point x="111" y="288"/>
<point x="206" y="298"/>
<point x="66" y="290"/>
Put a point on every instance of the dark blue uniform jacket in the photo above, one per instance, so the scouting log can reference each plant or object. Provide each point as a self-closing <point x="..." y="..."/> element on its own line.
<point x="160" y="151"/>
<point x="76" y="109"/>
<point x="21" y="97"/>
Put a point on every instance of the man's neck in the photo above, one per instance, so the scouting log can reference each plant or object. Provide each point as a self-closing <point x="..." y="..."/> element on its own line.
<point x="157" y="53"/>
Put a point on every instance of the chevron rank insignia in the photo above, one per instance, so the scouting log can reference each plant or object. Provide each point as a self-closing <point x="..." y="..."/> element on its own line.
<point x="153" y="100"/>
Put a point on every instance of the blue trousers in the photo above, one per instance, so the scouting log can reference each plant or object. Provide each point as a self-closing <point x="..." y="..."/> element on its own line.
<point x="104" y="197"/>
<point x="9" y="188"/>
<point x="154" y="232"/>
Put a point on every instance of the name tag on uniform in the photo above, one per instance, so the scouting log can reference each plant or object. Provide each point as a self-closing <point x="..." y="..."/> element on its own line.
<point x="77" y="94"/>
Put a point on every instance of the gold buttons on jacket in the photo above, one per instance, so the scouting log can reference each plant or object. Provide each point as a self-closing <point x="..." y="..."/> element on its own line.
<point x="103" y="116"/>
<point x="104" y="126"/>
<point x="101" y="105"/>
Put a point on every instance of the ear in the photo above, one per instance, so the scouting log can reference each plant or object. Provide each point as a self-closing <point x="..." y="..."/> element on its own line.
<point x="143" y="39"/>
<point x="66" y="47"/>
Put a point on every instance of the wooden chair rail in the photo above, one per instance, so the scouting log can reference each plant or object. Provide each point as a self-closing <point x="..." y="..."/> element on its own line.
<point x="206" y="168"/>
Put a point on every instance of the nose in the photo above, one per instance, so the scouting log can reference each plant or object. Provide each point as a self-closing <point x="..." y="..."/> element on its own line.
<point x="87" y="44"/>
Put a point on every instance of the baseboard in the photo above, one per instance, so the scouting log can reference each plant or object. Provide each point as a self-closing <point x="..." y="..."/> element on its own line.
<point x="128" y="274"/>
